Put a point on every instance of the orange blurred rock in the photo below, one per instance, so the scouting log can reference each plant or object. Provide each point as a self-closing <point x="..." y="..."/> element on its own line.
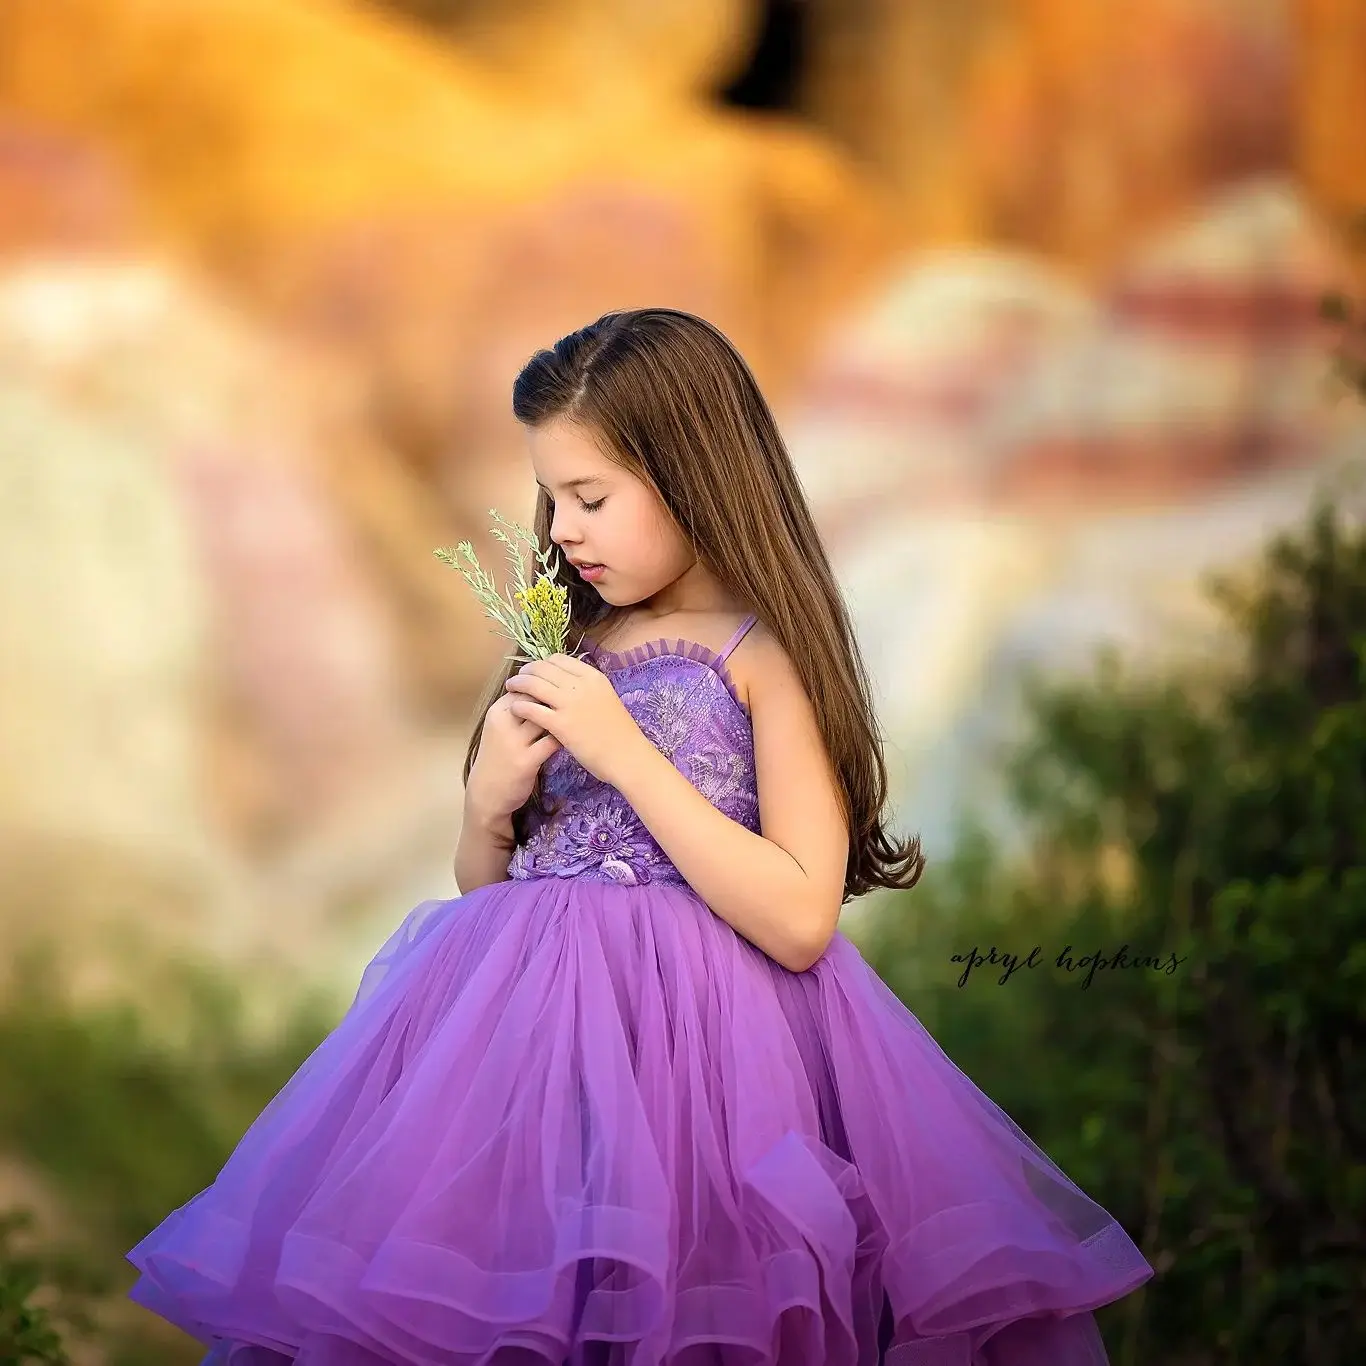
<point x="58" y="193"/>
<point x="437" y="311"/>
<point x="1053" y="124"/>
<point x="424" y="216"/>
<point x="575" y="53"/>
<point x="235" y="116"/>
<point x="1331" y="104"/>
<point x="1088" y="132"/>
<point x="889" y="78"/>
<point x="249" y="125"/>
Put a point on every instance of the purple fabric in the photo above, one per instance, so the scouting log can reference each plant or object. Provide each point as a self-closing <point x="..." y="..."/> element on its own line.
<point x="683" y="698"/>
<point x="574" y="1118"/>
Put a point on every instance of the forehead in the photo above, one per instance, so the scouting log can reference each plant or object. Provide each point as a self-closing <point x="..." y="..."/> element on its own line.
<point x="564" y="457"/>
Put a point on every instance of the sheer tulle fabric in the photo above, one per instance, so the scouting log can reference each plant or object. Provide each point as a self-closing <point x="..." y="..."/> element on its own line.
<point x="566" y="1121"/>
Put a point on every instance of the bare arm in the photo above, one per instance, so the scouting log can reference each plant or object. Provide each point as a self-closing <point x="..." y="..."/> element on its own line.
<point x="781" y="890"/>
<point x="484" y="851"/>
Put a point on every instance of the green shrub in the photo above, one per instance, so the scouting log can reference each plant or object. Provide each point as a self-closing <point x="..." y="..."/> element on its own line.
<point x="122" y="1127"/>
<point x="44" y="1297"/>
<point x="1218" y="1110"/>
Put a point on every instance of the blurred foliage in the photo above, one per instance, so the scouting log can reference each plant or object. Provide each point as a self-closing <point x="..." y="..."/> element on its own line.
<point x="44" y="1296"/>
<point x="123" y="1126"/>
<point x="1218" y="1110"/>
<point x="1348" y="316"/>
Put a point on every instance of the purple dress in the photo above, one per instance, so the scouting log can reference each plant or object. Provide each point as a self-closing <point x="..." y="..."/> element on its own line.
<point x="573" y="1117"/>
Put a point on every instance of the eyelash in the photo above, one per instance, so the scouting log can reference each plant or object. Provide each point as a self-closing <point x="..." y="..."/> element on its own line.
<point x="587" y="507"/>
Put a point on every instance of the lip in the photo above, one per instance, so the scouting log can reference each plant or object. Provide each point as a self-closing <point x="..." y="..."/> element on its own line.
<point x="591" y="572"/>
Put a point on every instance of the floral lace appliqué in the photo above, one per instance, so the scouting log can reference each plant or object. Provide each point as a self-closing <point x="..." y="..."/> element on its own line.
<point x="718" y="773"/>
<point x="661" y="712"/>
<point x="605" y="834"/>
<point x="691" y="715"/>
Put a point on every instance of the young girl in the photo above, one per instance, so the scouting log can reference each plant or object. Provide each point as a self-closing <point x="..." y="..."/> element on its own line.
<point x="630" y="1099"/>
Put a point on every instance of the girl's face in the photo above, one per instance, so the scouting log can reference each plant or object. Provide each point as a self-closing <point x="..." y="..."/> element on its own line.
<point x="601" y="514"/>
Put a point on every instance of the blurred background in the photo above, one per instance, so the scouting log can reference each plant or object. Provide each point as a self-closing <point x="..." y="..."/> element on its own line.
<point x="1036" y="288"/>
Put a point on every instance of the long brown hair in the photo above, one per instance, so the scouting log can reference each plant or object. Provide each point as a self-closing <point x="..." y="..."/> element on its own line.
<point x="670" y="400"/>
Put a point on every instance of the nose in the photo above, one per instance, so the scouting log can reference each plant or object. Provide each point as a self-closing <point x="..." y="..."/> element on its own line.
<point x="560" y="529"/>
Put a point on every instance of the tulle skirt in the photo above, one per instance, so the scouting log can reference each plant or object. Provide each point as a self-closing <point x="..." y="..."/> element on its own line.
<point x="573" y="1122"/>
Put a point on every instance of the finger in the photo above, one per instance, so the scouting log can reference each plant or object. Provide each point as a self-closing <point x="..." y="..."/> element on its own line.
<point x="544" y="748"/>
<point x="540" y="689"/>
<point x="528" y="710"/>
<point x="567" y="664"/>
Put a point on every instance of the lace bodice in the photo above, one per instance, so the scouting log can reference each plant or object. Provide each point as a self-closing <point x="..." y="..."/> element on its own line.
<point x="684" y="700"/>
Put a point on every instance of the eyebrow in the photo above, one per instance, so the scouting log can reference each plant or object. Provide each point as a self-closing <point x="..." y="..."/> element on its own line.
<point x="576" y="483"/>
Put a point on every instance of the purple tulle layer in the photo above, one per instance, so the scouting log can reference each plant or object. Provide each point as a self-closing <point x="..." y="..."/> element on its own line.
<point x="571" y="1122"/>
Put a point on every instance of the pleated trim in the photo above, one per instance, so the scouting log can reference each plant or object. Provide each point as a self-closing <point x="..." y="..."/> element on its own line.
<point x="611" y="660"/>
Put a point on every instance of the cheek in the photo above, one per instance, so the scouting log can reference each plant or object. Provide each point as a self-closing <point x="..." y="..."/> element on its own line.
<point x="657" y="541"/>
<point x="669" y="549"/>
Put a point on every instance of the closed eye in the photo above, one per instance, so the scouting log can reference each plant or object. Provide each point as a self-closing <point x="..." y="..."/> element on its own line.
<point x="592" y="507"/>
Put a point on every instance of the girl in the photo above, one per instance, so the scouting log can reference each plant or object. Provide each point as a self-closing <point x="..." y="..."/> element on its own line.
<point x="630" y="1099"/>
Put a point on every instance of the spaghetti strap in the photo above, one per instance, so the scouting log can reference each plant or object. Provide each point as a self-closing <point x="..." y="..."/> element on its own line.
<point x="736" y="638"/>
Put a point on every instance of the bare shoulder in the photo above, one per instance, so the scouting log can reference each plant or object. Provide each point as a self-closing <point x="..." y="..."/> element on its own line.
<point x="758" y="659"/>
<point x="766" y="678"/>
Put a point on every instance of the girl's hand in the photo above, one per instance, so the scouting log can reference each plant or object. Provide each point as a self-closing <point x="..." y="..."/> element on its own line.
<point x="511" y="752"/>
<point x="577" y="704"/>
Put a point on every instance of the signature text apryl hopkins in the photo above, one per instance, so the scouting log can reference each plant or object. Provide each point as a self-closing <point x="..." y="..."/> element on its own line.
<point x="1011" y="963"/>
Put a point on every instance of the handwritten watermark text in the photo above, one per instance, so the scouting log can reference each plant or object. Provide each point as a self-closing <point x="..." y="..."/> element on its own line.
<point x="1066" y="961"/>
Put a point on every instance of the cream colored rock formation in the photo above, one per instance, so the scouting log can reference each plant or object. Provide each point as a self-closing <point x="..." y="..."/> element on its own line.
<point x="1029" y="470"/>
<point x="205" y="673"/>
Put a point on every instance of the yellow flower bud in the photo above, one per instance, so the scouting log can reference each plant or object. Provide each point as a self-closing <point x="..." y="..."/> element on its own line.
<point x="536" y="618"/>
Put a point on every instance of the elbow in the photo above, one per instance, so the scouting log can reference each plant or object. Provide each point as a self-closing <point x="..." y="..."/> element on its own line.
<point x="803" y="959"/>
<point x="809" y="948"/>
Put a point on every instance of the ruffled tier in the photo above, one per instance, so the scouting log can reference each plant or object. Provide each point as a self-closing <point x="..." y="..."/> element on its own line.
<point x="574" y="1122"/>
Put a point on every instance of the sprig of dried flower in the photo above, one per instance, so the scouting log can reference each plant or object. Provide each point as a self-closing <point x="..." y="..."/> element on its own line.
<point x="534" y="616"/>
